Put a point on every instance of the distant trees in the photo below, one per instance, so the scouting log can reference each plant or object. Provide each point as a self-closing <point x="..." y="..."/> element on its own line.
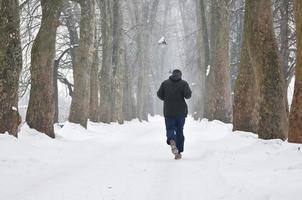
<point x="144" y="14"/>
<point x="10" y="66"/>
<point x="295" y="123"/>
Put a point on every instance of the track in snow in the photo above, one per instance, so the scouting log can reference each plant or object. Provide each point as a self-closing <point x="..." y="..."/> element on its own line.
<point x="133" y="162"/>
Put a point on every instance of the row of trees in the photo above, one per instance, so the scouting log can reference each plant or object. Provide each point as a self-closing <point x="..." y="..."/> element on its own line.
<point x="103" y="82"/>
<point x="260" y="101"/>
<point x="260" y="93"/>
<point x="239" y="56"/>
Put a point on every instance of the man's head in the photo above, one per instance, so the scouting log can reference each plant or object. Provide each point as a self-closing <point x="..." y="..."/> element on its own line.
<point x="177" y="72"/>
<point x="176" y="75"/>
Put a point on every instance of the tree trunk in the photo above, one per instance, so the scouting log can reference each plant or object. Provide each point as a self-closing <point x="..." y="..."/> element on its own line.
<point x="105" y="111"/>
<point x="79" y="110"/>
<point x="295" y="122"/>
<point x="10" y="66"/>
<point x="202" y="59"/>
<point x="142" y="86"/>
<point x="94" y="89"/>
<point x="117" y="63"/>
<point x="219" y="102"/>
<point x="144" y="41"/>
<point x="56" y="91"/>
<point x="128" y="102"/>
<point x="268" y="70"/>
<point x="245" y="110"/>
<point x="40" y="112"/>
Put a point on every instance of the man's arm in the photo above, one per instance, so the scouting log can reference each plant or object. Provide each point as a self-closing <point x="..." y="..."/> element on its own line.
<point x="161" y="92"/>
<point x="187" y="91"/>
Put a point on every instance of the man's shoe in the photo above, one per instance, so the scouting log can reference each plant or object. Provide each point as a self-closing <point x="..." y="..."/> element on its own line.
<point x="173" y="147"/>
<point x="178" y="156"/>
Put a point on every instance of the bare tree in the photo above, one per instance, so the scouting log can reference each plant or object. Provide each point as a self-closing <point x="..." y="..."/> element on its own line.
<point x="106" y="70"/>
<point x="118" y="64"/>
<point x="79" y="110"/>
<point x="40" y="113"/>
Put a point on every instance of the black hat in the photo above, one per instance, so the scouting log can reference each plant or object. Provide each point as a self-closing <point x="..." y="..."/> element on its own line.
<point x="176" y="75"/>
<point x="177" y="72"/>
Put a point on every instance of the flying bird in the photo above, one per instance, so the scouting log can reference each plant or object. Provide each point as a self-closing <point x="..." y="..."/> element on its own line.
<point x="162" y="41"/>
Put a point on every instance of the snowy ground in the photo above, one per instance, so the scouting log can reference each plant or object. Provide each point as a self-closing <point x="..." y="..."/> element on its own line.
<point x="132" y="162"/>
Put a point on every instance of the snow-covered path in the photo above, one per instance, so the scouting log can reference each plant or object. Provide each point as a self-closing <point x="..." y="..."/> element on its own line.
<point x="132" y="162"/>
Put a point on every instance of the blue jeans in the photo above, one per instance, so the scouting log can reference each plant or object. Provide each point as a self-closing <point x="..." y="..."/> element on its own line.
<point x="174" y="127"/>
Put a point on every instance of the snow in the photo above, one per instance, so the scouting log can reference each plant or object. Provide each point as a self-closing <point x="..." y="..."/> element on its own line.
<point x="208" y="70"/>
<point x="290" y="91"/>
<point x="14" y="108"/>
<point x="133" y="162"/>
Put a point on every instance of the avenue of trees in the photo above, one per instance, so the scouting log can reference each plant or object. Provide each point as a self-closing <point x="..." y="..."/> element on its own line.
<point x="239" y="57"/>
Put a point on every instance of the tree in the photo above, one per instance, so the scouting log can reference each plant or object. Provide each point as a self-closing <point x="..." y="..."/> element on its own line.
<point x="79" y="110"/>
<point x="106" y="69"/>
<point x="246" y="97"/>
<point x="203" y="56"/>
<point x="218" y="94"/>
<point x="117" y="63"/>
<point x="10" y="66"/>
<point x="40" y="112"/>
<point x="144" y="38"/>
<point x="295" y="120"/>
<point x="263" y="51"/>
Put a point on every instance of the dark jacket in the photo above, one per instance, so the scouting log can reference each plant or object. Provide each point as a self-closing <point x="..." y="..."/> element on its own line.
<point x="173" y="92"/>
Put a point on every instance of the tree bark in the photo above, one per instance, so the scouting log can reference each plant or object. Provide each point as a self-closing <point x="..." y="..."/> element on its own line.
<point x="295" y="122"/>
<point x="128" y="102"/>
<point x="117" y="63"/>
<point x="40" y="113"/>
<point x="79" y="110"/>
<point x="268" y="70"/>
<point x="105" y="111"/>
<point x="94" y="89"/>
<point x="245" y="109"/>
<point x="10" y="66"/>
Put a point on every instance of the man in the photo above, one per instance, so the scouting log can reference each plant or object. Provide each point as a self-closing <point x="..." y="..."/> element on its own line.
<point x="173" y="92"/>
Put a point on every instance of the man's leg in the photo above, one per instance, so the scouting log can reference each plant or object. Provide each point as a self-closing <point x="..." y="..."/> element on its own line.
<point x="180" y="139"/>
<point x="170" y="128"/>
<point x="171" y="134"/>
